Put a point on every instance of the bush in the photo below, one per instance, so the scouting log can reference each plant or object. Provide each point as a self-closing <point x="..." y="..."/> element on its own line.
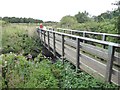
<point x="68" y="78"/>
<point x="20" y="73"/>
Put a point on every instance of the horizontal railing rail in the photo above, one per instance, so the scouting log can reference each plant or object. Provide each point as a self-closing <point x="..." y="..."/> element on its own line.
<point x="94" y="35"/>
<point x="86" y="39"/>
<point x="88" y="32"/>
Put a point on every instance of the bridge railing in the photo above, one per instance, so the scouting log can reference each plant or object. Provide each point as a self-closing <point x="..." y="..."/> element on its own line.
<point x="104" y="35"/>
<point x="95" y="35"/>
<point x="96" y="61"/>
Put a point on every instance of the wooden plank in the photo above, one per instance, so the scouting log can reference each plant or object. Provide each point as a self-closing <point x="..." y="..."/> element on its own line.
<point x="58" y="45"/>
<point x="116" y="76"/>
<point x="97" y="51"/>
<point x="70" y="59"/>
<point x="95" y="65"/>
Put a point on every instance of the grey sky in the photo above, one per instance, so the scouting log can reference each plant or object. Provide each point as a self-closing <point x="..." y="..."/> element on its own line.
<point x="53" y="10"/>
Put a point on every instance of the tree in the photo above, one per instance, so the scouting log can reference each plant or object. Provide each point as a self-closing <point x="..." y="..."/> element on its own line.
<point x="118" y="13"/>
<point x="6" y="19"/>
<point x="20" y="20"/>
<point x="82" y="17"/>
<point x="118" y="24"/>
<point x="68" y="21"/>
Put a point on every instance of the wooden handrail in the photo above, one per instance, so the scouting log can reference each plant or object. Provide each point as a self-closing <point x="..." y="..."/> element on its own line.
<point x="87" y="39"/>
<point x="88" y="32"/>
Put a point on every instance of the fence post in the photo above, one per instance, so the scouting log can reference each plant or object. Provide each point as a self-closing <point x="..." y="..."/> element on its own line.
<point x="104" y="39"/>
<point x="44" y="37"/>
<point x="54" y="44"/>
<point x="62" y="48"/>
<point x="84" y="35"/>
<point x="48" y="40"/>
<point x="71" y="32"/>
<point x="41" y="35"/>
<point x="77" y="53"/>
<point x="64" y="31"/>
<point x="111" y="50"/>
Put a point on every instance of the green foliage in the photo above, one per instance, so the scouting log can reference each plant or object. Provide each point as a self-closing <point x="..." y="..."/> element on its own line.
<point x="2" y="22"/>
<point x="70" y="79"/>
<point x="42" y="77"/>
<point x="107" y="15"/>
<point x="82" y="17"/>
<point x="20" y="73"/>
<point x="105" y="22"/>
<point x="17" y="71"/>
<point x="16" y="39"/>
<point x="21" y="20"/>
<point x="118" y="31"/>
<point x="118" y="25"/>
<point x="68" y="21"/>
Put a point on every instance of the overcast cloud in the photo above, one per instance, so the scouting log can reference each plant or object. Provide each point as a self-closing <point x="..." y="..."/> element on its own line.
<point x="53" y="10"/>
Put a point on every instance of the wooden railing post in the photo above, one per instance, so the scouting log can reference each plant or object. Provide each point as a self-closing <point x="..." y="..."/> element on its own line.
<point x="77" y="53"/>
<point x="64" y="31"/>
<point x="62" y="48"/>
<point x="109" y="63"/>
<point x="84" y="35"/>
<point x="71" y="32"/>
<point x="44" y="36"/>
<point x="48" y="40"/>
<point x="104" y="39"/>
<point x="41" y="35"/>
<point x="54" y="44"/>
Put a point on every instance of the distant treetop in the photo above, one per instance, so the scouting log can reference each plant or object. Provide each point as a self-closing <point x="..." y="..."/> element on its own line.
<point x="21" y="20"/>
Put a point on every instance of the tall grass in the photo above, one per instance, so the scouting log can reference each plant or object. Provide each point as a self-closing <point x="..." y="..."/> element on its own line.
<point x="19" y="38"/>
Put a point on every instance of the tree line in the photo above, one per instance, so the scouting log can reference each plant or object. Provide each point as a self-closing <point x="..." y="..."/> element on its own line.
<point x="20" y="20"/>
<point x="82" y="18"/>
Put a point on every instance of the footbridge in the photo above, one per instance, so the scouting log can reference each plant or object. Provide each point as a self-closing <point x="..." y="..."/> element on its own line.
<point x="88" y="51"/>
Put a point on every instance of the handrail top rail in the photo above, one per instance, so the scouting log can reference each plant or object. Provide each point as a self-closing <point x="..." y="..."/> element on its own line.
<point x="86" y="39"/>
<point x="114" y="35"/>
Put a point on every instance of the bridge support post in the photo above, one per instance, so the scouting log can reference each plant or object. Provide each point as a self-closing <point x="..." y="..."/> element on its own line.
<point x="108" y="75"/>
<point x="64" y="31"/>
<point x="77" y="53"/>
<point x="84" y="34"/>
<point x="104" y="39"/>
<point x="71" y="32"/>
<point x="54" y="52"/>
<point x="48" y="40"/>
<point x="62" y="48"/>
<point x="41" y="35"/>
<point x="44" y="37"/>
